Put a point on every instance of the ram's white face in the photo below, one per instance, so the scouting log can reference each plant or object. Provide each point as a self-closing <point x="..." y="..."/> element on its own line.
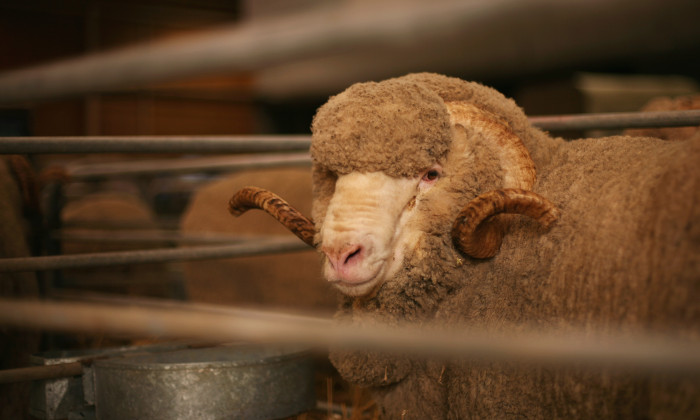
<point x="367" y="227"/>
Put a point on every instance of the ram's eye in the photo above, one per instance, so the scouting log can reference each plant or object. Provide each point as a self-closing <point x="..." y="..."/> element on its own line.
<point x="431" y="175"/>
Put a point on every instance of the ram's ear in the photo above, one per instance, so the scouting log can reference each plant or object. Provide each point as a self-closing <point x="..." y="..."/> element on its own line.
<point x="477" y="232"/>
<point x="518" y="167"/>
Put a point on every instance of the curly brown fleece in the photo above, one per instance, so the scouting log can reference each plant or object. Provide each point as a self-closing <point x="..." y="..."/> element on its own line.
<point x="410" y="119"/>
<point x="625" y="254"/>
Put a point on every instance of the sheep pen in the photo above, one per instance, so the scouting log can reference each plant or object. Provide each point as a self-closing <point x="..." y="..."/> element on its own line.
<point x="412" y="180"/>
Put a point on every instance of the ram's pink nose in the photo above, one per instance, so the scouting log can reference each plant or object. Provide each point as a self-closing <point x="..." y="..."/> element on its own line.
<point x="344" y="259"/>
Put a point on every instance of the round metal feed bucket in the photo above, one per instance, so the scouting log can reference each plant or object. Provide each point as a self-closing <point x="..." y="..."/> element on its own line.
<point x="236" y="382"/>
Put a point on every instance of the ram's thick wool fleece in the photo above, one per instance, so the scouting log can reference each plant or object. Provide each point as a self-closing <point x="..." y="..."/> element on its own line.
<point x="625" y="254"/>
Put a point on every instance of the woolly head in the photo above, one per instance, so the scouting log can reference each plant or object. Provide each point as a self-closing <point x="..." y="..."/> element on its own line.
<point x="394" y="127"/>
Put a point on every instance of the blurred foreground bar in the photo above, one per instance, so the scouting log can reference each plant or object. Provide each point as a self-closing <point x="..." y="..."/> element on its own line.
<point x="642" y="352"/>
<point x="344" y="42"/>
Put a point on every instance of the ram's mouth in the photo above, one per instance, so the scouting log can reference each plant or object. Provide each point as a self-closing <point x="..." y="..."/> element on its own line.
<point x="356" y="289"/>
<point x="355" y="277"/>
<point x="351" y="284"/>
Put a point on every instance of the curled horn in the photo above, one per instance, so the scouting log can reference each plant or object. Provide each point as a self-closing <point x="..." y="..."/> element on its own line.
<point x="518" y="167"/>
<point x="476" y="233"/>
<point x="257" y="198"/>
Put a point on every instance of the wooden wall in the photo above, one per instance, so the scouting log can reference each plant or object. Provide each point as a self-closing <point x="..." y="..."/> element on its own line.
<point x="40" y="31"/>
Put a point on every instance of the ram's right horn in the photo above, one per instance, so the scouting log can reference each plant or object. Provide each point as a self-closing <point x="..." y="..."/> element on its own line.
<point x="257" y="198"/>
<point x="518" y="167"/>
<point x="476" y="233"/>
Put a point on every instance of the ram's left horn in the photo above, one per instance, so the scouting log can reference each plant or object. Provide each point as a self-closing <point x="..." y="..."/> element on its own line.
<point x="476" y="233"/>
<point x="257" y="198"/>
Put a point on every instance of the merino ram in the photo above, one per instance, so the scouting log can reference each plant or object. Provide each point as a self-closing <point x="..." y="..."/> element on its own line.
<point x="413" y="178"/>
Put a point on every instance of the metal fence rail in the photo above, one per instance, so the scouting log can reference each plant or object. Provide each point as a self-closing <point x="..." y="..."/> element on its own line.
<point x="297" y="143"/>
<point x="34" y="373"/>
<point x="155" y="144"/>
<point x="617" y="120"/>
<point x="185" y="166"/>
<point x="103" y="259"/>
<point x="145" y="236"/>
<point x="622" y="350"/>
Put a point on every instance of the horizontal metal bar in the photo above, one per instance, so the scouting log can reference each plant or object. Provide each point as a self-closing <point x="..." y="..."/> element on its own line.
<point x="185" y="166"/>
<point x="145" y="302"/>
<point x="34" y="373"/>
<point x="638" y="351"/>
<point x="618" y="120"/>
<point x="59" y="262"/>
<point x="298" y="143"/>
<point x="155" y="144"/>
<point x="145" y="236"/>
<point x="163" y="223"/>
